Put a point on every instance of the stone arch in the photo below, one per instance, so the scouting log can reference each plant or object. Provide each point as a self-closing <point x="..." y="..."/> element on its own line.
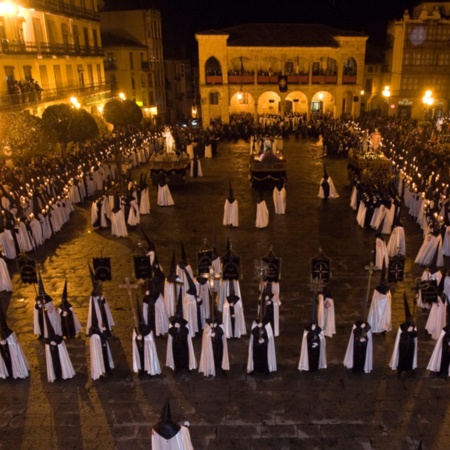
<point x="242" y="102"/>
<point x="296" y="102"/>
<point x="241" y="65"/>
<point x="213" y="66"/>
<point x="296" y="66"/>
<point x="323" y="102"/>
<point x="349" y="71"/>
<point x="325" y="66"/>
<point x="270" y="65"/>
<point x="269" y="102"/>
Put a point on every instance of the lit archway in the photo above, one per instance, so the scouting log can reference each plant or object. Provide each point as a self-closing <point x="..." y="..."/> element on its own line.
<point x="269" y="103"/>
<point x="242" y="102"/>
<point x="323" y="102"/>
<point x="296" y="103"/>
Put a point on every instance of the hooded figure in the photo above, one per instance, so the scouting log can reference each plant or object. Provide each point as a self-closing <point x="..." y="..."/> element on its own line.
<point x="440" y="358"/>
<point x="154" y="311"/>
<point x="101" y="361"/>
<point x="195" y="167"/>
<point x="233" y="312"/>
<point x="271" y="307"/>
<point x="359" y="353"/>
<point x="118" y="225"/>
<point x="380" y="309"/>
<point x="168" y="435"/>
<point x="172" y="287"/>
<point x="326" y="186"/>
<point x="13" y="362"/>
<point x="97" y="301"/>
<point x="184" y="267"/>
<point x="438" y="312"/>
<point x="193" y="308"/>
<point x="57" y="359"/>
<point x="279" y="197"/>
<point x="430" y="252"/>
<point x="70" y="324"/>
<point x="231" y="210"/>
<point x="145" y="356"/>
<point x="313" y="351"/>
<point x="143" y="195"/>
<point x="5" y="279"/>
<point x="381" y="253"/>
<point x="262" y="213"/>
<point x="214" y="356"/>
<point x="261" y="349"/>
<point x="44" y="301"/>
<point x="404" y="356"/>
<point x="164" y="197"/>
<point x="397" y="243"/>
<point x="180" y="351"/>
<point x="326" y="316"/>
<point x="151" y="253"/>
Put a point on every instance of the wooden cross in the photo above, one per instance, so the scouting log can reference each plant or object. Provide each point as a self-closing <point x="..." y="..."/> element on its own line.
<point x="371" y="268"/>
<point x="129" y="287"/>
<point x="211" y="276"/>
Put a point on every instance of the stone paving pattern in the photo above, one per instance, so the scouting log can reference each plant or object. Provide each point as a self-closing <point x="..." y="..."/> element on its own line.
<point x="332" y="409"/>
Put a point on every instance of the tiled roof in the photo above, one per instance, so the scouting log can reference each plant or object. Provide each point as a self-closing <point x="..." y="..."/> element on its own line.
<point x="114" y="40"/>
<point x="282" y="35"/>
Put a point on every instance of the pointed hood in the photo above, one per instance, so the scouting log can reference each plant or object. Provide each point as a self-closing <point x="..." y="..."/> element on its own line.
<point x="408" y="315"/>
<point x="231" y="195"/>
<point x="96" y="284"/>
<point x="183" y="259"/>
<point x="150" y="246"/>
<point x="42" y="295"/>
<point x="192" y="288"/>
<point x="166" y="427"/>
<point x="325" y="173"/>
<point x="441" y="282"/>
<point x="179" y="308"/>
<point x="383" y="287"/>
<point x="64" y="299"/>
<point x="213" y="244"/>
<point x="228" y="248"/>
<point x="5" y="331"/>
<point x="172" y="277"/>
<point x="314" y="320"/>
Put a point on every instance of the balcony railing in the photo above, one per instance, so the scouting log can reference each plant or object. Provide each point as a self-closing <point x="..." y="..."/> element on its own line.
<point x="17" y="102"/>
<point x="47" y="49"/>
<point x="330" y="79"/>
<point x="264" y="79"/>
<point x="214" y="79"/>
<point x="63" y="8"/>
<point x="241" y="79"/>
<point x="348" y="79"/>
<point x="298" y="79"/>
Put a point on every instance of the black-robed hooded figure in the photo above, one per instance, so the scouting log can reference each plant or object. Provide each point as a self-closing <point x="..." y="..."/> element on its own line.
<point x="261" y="339"/>
<point x="142" y="330"/>
<point x="199" y="310"/>
<point x="232" y="300"/>
<point x="216" y="337"/>
<point x="325" y="185"/>
<point x="43" y="300"/>
<point x="53" y="341"/>
<point x="361" y="338"/>
<point x="407" y="345"/>
<point x="150" y="299"/>
<point x="166" y="427"/>
<point x="445" y="355"/>
<point x="5" y="333"/>
<point x="70" y="326"/>
<point x="268" y="299"/>
<point x="314" y="341"/>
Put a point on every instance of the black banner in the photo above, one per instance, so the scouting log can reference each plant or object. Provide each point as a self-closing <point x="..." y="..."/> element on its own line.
<point x="283" y="83"/>
<point x="429" y="291"/>
<point x="273" y="272"/>
<point x="102" y="269"/>
<point x="396" y="269"/>
<point x="321" y="268"/>
<point x="142" y="267"/>
<point x="231" y="267"/>
<point x="204" y="261"/>
<point x="27" y="270"/>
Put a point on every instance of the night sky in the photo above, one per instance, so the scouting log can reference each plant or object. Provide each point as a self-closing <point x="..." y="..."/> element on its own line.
<point x="183" y="18"/>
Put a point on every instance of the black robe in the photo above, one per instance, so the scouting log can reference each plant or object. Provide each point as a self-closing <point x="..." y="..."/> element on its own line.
<point x="360" y="341"/>
<point x="180" y="347"/>
<point x="445" y="354"/>
<point x="406" y="347"/>
<point x="217" y="344"/>
<point x="313" y="341"/>
<point x="260" y="348"/>
<point x="67" y="322"/>
<point x="54" y="352"/>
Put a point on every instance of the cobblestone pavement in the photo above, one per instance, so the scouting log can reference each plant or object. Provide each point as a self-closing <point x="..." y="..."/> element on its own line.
<point x="332" y="409"/>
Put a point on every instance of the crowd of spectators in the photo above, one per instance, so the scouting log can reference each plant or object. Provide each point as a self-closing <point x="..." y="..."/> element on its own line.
<point x="24" y="91"/>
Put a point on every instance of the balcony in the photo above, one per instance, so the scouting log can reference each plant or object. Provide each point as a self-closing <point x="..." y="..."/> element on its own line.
<point x="298" y="79"/>
<point x="46" y="49"/>
<point x="326" y="79"/>
<point x="109" y="65"/>
<point x="18" y="102"/>
<point x="62" y="8"/>
<point x="348" y="79"/>
<point x="267" y="79"/>
<point x="241" y="79"/>
<point x="214" y="79"/>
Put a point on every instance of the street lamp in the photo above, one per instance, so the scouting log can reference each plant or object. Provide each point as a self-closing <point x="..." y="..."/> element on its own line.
<point x="363" y="105"/>
<point x="428" y="101"/>
<point x="387" y="94"/>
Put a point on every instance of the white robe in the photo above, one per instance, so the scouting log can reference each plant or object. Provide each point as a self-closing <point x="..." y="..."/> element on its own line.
<point x="224" y="291"/>
<point x="118" y="225"/>
<point x="67" y="370"/>
<point x="19" y="363"/>
<point x="190" y="313"/>
<point x="5" y="279"/>
<point x="164" y="196"/>
<point x="279" y="200"/>
<point x="303" y="364"/>
<point x="96" y="357"/>
<point x="348" y="359"/>
<point x="171" y="291"/>
<point x="239" y="320"/>
<point x="169" y="352"/>
<point x="109" y="317"/>
<point x="54" y="317"/>
<point x="431" y="246"/>
<point x="381" y="254"/>
<point x="161" y="317"/>
<point x="271" y="356"/>
<point x="437" y="318"/>
<point x="207" y="366"/>
<point x="397" y="244"/>
<point x="379" y="316"/>
<point x="434" y="365"/>
<point x="231" y="213"/>
<point x="144" y="203"/>
<point x="446" y="245"/>
<point x="181" y="441"/>
<point x="333" y="191"/>
<point x="262" y="215"/>
<point x="199" y="168"/>
<point x="326" y="316"/>
<point x="151" y="360"/>
<point x="393" y="363"/>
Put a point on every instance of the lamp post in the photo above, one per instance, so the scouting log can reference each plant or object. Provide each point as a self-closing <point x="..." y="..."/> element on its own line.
<point x="387" y="94"/>
<point x="428" y="102"/>
<point x="363" y="105"/>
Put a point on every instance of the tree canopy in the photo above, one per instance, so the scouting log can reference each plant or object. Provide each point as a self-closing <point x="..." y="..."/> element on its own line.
<point x="122" y="113"/>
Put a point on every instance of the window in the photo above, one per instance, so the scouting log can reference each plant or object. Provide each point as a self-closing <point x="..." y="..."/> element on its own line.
<point x="99" y="75"/>
<point x="133" y="83"/>
<point x="213" y="98"/>
<point x="69" y="72"/>
<point x="27" y="72"/>
<point x="143" y="80"/>
<point x="131" y="61"/>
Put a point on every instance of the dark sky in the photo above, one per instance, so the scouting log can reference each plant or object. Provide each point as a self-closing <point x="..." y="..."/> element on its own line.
<point x="183" y="18"/>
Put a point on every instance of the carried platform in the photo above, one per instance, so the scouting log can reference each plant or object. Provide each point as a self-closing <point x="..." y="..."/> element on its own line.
<point x="268" y="172"/>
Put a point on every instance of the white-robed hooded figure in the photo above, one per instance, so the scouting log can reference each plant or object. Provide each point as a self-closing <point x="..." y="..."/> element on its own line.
<point x="183" y="268"/>
<point x="5" y="279"/>
<point x="44" y="301"/>
<point x="168" y="435"/>
<point x="279" y="198"/>
<point x="13" y="362"/>
<point x="381" y="253"/>
<point x="438" y="312"/>
<point x="404" y="355"/>
<point x="325" y="313"/>
<point x="154" y="310"/>
<point x="262" y="212"/>
<point x="180" y="351"/>
<point x="261" y="349"/>
<point x="145" y="355"/>
<point x="271" y="299"/>
<point x="313" y="354"/>
<point x="99" y="302"/>
<point x="164" y="197"/>
<point x="380" y="308"/>
<point x="233" y="313"/>
<point x="193" y="308"/>
<point x="440" y="358"/>
<point x="397" y="243"/>
<point x="118" y="225"/>
<point x="172" y="287"/>
<point x="231" y="211"/>
<point x="70" y="325"/>
<point x="326" y="186"/>
<point x="430" y="252"/>
<point x="57" y="358"/>
<point x="143" y="195"/>
<point x="214" y="356"/>
<point x="101" y="362"/>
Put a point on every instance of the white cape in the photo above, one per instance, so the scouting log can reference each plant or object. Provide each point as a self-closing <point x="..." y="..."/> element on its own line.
<point x="67" y="370"/>
<point x="393" y="363"/>
<point x="303" y="364"/>
<point x="151" y="360"/>
<point x="271" y="356"/>
<point x="231" y="213"/>
<point x="207" y="366"/>
<point x="379" y="316"/>
<point x="348" y="359"/>
<point x="181" y="441"/>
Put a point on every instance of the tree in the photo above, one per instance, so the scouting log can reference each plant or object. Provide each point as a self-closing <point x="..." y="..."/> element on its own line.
<point x="122" y="113"/>
<point x="25" y="136"/>
<point x="82" y="126"/>
<point x="57" y="118"/>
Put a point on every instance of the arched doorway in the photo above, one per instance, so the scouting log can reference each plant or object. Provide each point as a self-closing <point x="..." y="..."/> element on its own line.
<point x="323" y="102"/>
<point x="242" y="102"/>
<point x="296" y="103"/>
<point x="269" y="103"/>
